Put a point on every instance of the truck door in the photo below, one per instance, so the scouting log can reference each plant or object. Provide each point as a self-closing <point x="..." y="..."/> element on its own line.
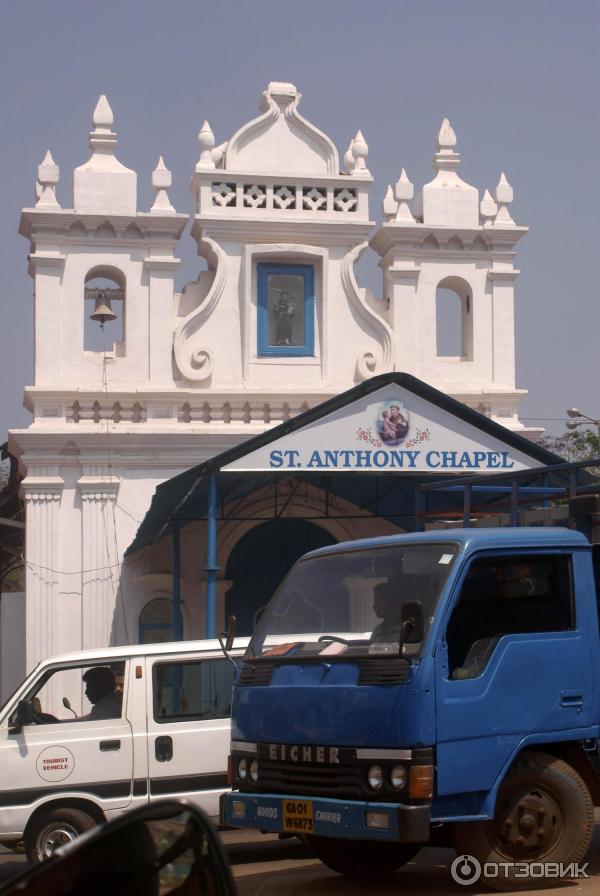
<point x="189" y="708"/>
<point x="515" y="661"/>
<point x="86" y="750"/>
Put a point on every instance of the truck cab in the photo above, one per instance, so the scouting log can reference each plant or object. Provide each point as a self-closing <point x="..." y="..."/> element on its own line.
<point x="401" y="684"/>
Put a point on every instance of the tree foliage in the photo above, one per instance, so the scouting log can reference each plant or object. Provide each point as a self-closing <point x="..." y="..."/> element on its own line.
<point x="573" y="445"/>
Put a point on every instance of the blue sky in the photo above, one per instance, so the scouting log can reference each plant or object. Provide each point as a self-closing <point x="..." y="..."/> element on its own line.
<point x="518" y="80"/>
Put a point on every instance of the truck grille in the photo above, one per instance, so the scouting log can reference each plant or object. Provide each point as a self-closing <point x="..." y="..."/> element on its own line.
<point x="342" y="782"/>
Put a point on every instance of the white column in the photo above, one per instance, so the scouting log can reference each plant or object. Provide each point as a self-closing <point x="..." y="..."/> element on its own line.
<point x="401" y="280"/>
<point x="100" y="559"/>
<point x="503" y="324"/>
<point x="161" y="271"/>
<point x="42" y="495"/>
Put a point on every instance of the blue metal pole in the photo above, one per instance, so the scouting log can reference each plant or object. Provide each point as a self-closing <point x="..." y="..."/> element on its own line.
<point x="211" y="567"/>
<point x="176" y="622"/>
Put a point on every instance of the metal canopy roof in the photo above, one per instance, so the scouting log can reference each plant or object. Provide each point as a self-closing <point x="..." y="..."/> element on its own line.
<point x="184" y="497"/>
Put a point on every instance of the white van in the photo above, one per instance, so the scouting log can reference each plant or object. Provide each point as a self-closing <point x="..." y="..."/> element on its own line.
<point x="156" y="726"/>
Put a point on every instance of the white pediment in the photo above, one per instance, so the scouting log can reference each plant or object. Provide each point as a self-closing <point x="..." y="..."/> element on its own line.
<point x="281" y="141"/>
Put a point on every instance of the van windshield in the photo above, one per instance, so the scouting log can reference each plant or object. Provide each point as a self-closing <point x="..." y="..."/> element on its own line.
<point x="356" y="601"/>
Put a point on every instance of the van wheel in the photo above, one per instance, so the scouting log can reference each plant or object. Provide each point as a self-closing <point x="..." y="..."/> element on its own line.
<point x="49" y="830"/>
<point x="544" y="814"/>
<point x="361" y="858"/>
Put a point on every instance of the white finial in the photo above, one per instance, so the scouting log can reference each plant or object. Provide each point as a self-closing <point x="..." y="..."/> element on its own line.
<point x="446" y="136"/>
<point x="487" y="209"/>
<point x="102" y="138"/>
<point x="390" y="205"/>
<point x="504" y="196"/>
<point x="161" y="181"/>
<point x="404" y="192"/>
<point x="360" y="151"/>
<point x="446" y="159"/>
<point x="206" y="139"/>
<point x="349" y="159"/>
<point x="103" y="117"/>
<point x="48" y="175"/>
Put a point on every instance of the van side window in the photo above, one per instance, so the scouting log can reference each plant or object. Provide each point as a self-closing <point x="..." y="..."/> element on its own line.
<point x="506" y="596"/>
<point x="78" y="693"/>
<point x="191" y="691"/>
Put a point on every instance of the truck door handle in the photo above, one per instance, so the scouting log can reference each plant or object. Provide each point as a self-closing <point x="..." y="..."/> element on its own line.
<point x="163" y="748"/>
<point x="571" y="699"/>
<point x="106" y="745"/>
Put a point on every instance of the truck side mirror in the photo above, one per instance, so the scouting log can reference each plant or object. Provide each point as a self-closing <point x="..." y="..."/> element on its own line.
<point x="229" y="633"/>
<point x="24" y="715"/>
<point x="413" y="624"/>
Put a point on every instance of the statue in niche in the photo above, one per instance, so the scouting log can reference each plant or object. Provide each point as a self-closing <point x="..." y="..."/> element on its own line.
<point x="284" y="307"/>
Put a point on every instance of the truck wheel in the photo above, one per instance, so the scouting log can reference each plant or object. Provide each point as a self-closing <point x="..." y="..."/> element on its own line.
<point x="361" y="858"/>
<point x="544" y="814"/>
<point x="52" y="829"/>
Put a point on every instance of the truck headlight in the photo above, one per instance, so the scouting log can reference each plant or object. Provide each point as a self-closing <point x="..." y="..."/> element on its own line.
<point x="398" y="777"/>
<point x="254" y="771"/>
<point x="242" y="769"/>
<point x="375" y="777"/>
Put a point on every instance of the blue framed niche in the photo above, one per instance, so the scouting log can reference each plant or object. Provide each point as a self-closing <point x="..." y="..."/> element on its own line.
<point x="286" y="310"/>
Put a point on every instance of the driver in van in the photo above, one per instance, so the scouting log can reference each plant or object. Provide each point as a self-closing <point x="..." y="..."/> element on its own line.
<point x="100" y="689"/>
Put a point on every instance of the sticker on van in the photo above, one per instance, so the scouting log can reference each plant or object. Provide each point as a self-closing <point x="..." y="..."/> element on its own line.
<point x="55" y="763"/>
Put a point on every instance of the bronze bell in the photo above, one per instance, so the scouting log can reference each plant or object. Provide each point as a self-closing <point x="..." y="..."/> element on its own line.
<point x="103" y="310"/>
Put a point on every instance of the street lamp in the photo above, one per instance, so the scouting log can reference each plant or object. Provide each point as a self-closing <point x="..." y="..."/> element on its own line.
<point x="583" y="421"/>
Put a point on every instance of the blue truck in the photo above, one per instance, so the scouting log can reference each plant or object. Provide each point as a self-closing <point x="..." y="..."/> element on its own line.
<point x="402" y="690"/>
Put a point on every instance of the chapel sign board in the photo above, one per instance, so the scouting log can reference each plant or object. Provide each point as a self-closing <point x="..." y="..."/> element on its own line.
<point x="391" y="429"/>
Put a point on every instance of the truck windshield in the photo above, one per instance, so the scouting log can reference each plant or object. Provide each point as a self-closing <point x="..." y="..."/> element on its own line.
<point x="354" y="601"/>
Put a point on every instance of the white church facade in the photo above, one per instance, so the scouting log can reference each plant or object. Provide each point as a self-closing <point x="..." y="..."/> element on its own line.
<point x="275" y="324"/>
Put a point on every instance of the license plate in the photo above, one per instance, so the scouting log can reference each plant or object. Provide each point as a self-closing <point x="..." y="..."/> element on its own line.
<point x="298" y="816"/>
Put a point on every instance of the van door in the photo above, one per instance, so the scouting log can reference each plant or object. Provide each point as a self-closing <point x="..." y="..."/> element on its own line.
<point x="189" y="708"/>
<point x="84" y="750"/>
<point x="516" y="659"/>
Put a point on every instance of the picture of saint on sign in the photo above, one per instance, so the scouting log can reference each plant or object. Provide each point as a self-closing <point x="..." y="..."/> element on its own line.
<point x="286" y="310"/>
<point x="392" y="423"/>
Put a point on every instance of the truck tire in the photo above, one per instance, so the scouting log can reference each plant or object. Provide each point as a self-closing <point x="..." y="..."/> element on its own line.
<point x="361" y="858"/>
<point x="51" y="829"/>
<point x="544" y="814"/>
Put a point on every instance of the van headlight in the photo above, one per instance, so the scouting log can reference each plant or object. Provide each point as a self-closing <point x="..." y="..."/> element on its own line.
<point x="242" y="769"/>
<point x="398" y="777"/>
<point x="375" y="777"/>
<point x="254" y="771"/>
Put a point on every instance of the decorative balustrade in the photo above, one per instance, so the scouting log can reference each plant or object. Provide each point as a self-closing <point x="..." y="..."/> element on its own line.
<point x="284" y="197"/>
<point x="226" y="412"/>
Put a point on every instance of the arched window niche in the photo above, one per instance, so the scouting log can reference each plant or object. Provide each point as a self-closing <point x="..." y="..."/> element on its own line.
<point x="155" y="622"/>
<point x="104" y="284"/>
<point x="454" y="319"/>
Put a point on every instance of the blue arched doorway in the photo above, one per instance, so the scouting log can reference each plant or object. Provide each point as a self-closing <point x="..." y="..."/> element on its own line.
<point x="261" y="559"/>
